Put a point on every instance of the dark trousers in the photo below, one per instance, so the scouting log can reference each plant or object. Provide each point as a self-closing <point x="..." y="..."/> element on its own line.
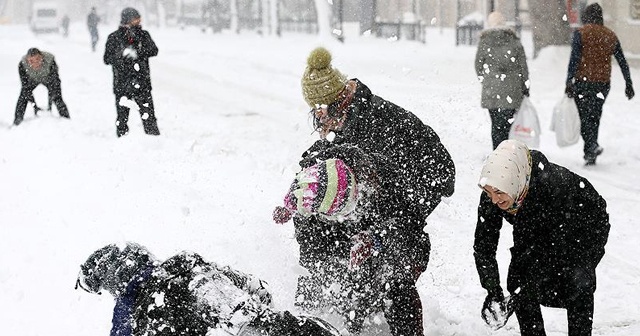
<point x="26" y="96"/>
<point x="404" y="315"/>
<point x="590" y="98"/>
<point x="500" y="124"/>
<point x="575" y="293"/>
<point x="147" y="113"/>
<point x="94" y="38"/>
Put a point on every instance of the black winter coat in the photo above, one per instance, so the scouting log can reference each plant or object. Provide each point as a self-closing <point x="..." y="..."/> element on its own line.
<point x="385" y="211"/>
<point x="188" y="296"/>
<point x="130" y="75"/>
<point x="562" y="225"/>
<point x="376" y="125"/>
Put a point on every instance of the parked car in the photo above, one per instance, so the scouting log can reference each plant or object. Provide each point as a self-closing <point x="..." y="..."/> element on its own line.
<point x="45" y="17"/>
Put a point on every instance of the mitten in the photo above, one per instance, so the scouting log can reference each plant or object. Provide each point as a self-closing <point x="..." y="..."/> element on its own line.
<point x="629" y="91"/>
<point x="281" y="215"/>
<point x="569" y="90"/>
<point x="364" y="245"/>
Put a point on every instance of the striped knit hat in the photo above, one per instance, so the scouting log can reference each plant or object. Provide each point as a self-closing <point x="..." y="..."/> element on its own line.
<point x="327" y="188"/>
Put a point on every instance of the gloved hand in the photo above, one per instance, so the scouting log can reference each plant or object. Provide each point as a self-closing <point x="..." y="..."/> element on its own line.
<point x="629" y="91"/>
<point x="364" y="245"/>
<point x="569" y="90"/>
<point x="497" y="309"/>
<point x="525" y="92"/>
<point x="130" y="52"/>
<point x="281" y="215"/>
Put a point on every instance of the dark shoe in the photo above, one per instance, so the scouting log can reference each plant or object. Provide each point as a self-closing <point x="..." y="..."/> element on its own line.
<point x="590" y="159"/>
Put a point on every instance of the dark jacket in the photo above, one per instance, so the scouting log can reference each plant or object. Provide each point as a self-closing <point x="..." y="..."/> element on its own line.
<point x="187" y="296"/>
<point x="130" y="75"/>
<point x="591" y="51"/>
<point x="562" y="225"/>
<point x="384" y="210"/>
<point x="376" y="125"/>
<point x="502" y="64"/>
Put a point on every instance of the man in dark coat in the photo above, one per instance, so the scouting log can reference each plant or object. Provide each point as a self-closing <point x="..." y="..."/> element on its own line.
<point x="589" y="75"/>
<point x="356" y="116"/>
<point x="128" y="50"/>
<point x="369" y="241"/>
<point x="560" y="227"/>
<point x="92" y="23"/>
<point x="186" y="295"/>
<point x="35" y="68"/>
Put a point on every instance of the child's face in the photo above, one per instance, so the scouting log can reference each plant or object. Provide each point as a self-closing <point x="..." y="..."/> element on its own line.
<point x="498" y="197"/>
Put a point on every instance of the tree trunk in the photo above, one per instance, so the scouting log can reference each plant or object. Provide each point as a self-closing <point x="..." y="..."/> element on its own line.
<point x="549" y="24"/>
<point x="323" y="8"/>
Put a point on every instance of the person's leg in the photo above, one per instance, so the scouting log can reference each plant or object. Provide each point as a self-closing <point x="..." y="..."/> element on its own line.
<point x="26" y="95"/>
<point x="529" y="316"/>
<point x="500" y="125"/>
<point x="404" y="314"/>
<point x="582" y="285"/>
<point x="147" y="113"/>
<point x="55" y="95"/>
<point x="590" y="98"/>
<point x="123" y="117"/>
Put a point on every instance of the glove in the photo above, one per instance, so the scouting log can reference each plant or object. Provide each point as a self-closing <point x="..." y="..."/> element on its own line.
<point x="629" y="91"/>
<point x="497" y="309"/>
<point x="525" y="92"/>
<point x="281" y="215"/>
<point x="569" y="90"/>
<point x="364" y="245"/>
<point x="130" y="52"/>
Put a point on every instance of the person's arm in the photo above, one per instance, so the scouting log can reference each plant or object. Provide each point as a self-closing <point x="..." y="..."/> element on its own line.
<point x="622" y="61"/>
<point x="487" y="235"/>
<point x="148" y="47"/>
<point x="574" y="59"/>
<point x="111" y="53"/>
<point x="524" y="70"/>
<point x="22" y="72"/>
<point x="54" y="71"/>
<point x="480" y="58"/>
<point x="249" y="283"/>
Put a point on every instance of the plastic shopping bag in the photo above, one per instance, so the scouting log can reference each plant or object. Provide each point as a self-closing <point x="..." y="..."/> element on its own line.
<point x="525" y="126"/>
<point x="566" y="122"/>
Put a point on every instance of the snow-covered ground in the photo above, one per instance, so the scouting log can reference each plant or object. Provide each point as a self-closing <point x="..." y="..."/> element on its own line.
<point x="233" y="124"/>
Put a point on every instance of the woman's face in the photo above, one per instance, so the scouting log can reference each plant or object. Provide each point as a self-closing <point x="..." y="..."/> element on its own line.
<point x="499" y="198"/>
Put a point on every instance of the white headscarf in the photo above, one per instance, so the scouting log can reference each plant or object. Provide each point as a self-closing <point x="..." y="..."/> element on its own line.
<point x="508" y="169"/>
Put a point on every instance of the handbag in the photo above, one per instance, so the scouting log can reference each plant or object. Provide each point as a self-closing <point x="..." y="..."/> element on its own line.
<point x="565" y="122"/>
<point x="526" y="126"/>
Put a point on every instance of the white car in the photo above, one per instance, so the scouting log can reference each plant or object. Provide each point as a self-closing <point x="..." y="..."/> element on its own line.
<point x="44" y="17"/>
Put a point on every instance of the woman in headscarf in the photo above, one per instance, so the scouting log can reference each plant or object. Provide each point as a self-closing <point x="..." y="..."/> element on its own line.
<point x="560" y="227"/>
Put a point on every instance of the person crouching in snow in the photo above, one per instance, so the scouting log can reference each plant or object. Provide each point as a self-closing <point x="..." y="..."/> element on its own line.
<point x="35" y="68"/>
<point x="186" y="295"/>
<point x="362" y="243"/>
<point x="560" y="227"/>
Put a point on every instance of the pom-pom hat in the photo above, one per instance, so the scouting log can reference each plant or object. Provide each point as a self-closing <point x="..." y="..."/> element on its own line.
<point x="327" y="188"/>
<point x="321" y="83"/>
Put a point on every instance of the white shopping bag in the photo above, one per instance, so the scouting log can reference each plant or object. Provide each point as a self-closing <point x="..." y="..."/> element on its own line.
<point x="566" y="122"/>
<point x="525" y="126"/>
